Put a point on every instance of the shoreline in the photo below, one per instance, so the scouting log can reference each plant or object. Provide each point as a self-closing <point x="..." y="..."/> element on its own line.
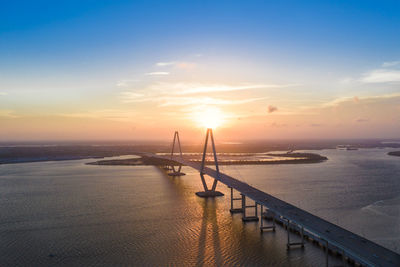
<point x="298" y="158"/>
<point x="46" y="159"/>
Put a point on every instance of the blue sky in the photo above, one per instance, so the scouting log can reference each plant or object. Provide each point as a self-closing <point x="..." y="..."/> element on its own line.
<point x="86" y="60"/>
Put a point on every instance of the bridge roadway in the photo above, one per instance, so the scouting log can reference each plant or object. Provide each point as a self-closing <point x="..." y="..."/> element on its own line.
<point x="354" y="246"/>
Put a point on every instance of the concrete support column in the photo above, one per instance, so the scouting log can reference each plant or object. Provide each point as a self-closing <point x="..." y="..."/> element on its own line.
<point x="268" y="227"/>
<point x="327" y="253"/>
<point x="288" y="234"/>
<point x="290" y="244"/>
<point x="246" y="218"/>
<point x="233" y="209"/>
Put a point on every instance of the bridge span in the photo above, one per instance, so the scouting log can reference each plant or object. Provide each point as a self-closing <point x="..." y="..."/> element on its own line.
<point x="330" y="236"/>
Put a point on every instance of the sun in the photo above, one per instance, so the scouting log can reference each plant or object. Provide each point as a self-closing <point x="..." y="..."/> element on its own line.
<point x="210" y="117"/>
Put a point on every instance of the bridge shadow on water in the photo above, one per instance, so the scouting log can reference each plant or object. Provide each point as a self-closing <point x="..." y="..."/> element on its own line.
<point x="209" y="220"/>
<point x="209" y="250"/>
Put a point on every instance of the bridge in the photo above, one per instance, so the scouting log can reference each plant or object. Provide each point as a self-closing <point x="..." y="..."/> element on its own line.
<point x="333" y="238"/>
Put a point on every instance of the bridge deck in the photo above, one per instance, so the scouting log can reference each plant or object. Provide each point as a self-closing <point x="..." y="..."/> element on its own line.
<point x="364" y="251"/>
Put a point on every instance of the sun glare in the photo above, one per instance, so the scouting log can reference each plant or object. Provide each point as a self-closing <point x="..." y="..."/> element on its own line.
<point x="209" y="118"/>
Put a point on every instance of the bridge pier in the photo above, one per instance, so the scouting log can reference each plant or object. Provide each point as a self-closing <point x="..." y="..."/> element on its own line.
<point x="289" y="244"/>
<point x="246" y="218"/>
<point x="268" y="227"/>
<point x="176" y="172"/>
<point x="232" y="209"/>
<point x="326" y="253"/>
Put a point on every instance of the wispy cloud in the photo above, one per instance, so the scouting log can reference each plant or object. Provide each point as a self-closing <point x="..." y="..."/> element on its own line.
<point x="177" y="100"/>
<point x="356" y="99"/>
<point x="161" y="89"/>
<point x="157" y="73"/>
<point x="182" y="94"/>
<point x="381" y="76"/>
<point x="108" y="114"/>
<point x="389" y="72"/>
<point x="198" y="88"/>
<point x="8" y="113"/>
<point x="390" y="64"/>
<point x="187" y="101"/>
<point x="3" y="93"/>
<point x="126" y="83"/>
<point x="177" y="64"/>
<point x="164" y="64"/>
<point x="128" y="97"/>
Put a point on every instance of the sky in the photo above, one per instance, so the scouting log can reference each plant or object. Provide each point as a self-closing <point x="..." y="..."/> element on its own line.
<point x="139" y="70"/>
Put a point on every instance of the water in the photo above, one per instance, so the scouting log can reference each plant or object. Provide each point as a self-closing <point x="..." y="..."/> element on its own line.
<point x="68" y="213"/>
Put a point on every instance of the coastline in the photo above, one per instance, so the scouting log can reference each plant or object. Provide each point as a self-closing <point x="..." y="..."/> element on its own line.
<point x="45" y="159"/>
<point x="295" y="158"/>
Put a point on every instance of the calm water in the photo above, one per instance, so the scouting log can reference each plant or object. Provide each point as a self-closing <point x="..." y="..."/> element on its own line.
<point x="68" y="213"/>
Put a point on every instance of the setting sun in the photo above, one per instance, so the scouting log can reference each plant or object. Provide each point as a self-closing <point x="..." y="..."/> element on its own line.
<point x="211" y="117"/>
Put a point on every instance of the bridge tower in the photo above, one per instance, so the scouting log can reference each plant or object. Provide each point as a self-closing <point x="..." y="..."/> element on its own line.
<point x="209" y="192"/>
<point x="176" y="172"/>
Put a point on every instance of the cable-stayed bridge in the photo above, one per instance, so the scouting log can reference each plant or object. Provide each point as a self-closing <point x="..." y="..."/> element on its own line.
<point x="333" y="238"/>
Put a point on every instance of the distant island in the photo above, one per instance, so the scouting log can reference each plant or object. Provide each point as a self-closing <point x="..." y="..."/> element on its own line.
<point x="394" y="153"/>
<point x="39" y="152"/>
<point x="281" y="158"/>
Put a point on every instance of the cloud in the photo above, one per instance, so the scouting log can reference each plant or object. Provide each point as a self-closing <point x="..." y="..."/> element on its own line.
<point x="7" y="113"/>
<point x="155" y="73"/>
<point x="199" y="88"/>
<point x="356" y="99"/>
<point x="362" y="120"/>
<point x="164" y="64"/>
<point x="177" y="64"/>
<point x="161" y="89"/>
<point x="315" y="125"/>
<point x="180" y="100"/>
<point x="272" y="109"/>
<point x="184" y="88"/>
<point x="3" y="93"/>
<point x="126" y="83"/>
<point x="128" y="97"/>
<point x="381" y="76"/>
<point x="390" y="64"/>
<point x="184" y="94"/>
<point x="389" y="72"/>
<point x="187" y="101"/>
<point x="109" y="114"/>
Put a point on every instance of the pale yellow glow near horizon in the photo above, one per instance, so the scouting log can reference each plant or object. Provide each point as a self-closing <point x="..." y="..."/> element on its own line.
<point x="210" y="117"/>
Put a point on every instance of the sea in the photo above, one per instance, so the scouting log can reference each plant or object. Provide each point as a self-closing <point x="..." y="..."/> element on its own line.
<point x="67" y="213"/>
